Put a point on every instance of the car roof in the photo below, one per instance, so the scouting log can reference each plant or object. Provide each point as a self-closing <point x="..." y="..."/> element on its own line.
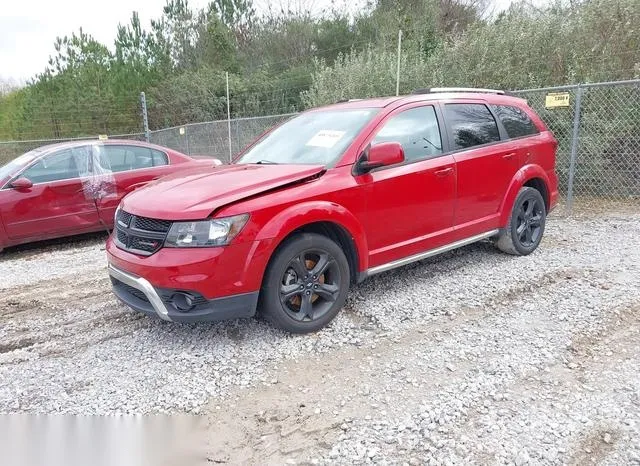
<point x="396" y="101"/>
<point x="83" y="142"/>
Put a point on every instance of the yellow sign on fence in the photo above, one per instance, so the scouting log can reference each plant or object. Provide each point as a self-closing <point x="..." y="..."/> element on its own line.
<point x="557" y="99"/>
<point x="103" y="137"/>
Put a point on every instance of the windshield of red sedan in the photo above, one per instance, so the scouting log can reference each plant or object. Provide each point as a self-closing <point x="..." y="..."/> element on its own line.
<point x="314" y="138"/>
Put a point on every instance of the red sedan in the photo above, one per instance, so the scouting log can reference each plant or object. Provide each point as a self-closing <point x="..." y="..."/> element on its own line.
<point x="74" y="187"/>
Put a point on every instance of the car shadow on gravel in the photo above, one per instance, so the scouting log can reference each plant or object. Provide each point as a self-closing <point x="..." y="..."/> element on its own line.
<point x="24" y="251"/>
<point x="239" y="330"/>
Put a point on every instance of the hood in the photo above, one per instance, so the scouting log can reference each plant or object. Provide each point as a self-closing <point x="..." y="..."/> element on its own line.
<point x="193" y="194"/>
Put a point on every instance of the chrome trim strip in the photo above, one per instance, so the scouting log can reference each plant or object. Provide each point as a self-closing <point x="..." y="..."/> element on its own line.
<point x="429" y="253"/>
<point x="142" y="285"/>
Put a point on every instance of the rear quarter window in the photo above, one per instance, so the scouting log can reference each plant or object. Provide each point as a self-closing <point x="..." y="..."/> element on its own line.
<point x="471" y="125"/>
<point x="516" y="122"/>
<point x="159" y="158"/>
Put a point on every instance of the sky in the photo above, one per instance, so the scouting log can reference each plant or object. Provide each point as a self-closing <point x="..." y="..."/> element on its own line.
<point x="28" y="28"/>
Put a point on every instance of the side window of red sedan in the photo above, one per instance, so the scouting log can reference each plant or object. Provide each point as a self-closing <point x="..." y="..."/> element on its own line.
<point x="124" y="158"/>
<point x="417" y="130"/>
<point x="58" y="166"/>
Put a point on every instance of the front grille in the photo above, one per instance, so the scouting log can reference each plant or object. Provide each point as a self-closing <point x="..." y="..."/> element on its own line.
<point x="144" y="244"/>
<point x="124" y="216"/>
<point x="140" y="235"/>
<point x="151" y="224"/>
<point x="122" y="236"/>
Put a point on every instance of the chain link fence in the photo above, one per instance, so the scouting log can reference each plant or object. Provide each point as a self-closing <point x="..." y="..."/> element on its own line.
<point x="9" y="150"/>
<point x="598" y="131"/>
<point x="212" y="138"/>
<point x="598" y="158"/>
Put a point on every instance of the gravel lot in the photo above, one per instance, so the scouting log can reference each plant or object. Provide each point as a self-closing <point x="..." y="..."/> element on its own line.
<point x="470" y="357"/>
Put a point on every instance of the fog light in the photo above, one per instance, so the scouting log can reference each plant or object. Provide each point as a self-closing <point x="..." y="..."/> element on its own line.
<point x="183" y="302"/>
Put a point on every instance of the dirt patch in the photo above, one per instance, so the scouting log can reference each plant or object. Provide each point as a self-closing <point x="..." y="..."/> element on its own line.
<point x="594" y="447"/>
<point x="619" y="333"/>
<point x="20" y="343"/>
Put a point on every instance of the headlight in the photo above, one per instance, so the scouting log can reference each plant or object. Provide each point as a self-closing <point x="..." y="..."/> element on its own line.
<point x="216" y="232"/>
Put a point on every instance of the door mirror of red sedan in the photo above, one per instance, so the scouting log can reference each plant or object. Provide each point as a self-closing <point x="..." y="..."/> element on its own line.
<point x="381" y="155"/>
<point x="21" y="183"/>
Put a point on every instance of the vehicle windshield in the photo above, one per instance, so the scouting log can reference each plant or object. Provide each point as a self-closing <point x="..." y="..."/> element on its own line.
<point x="315" y="138"/>
<point x="8" y="169"/>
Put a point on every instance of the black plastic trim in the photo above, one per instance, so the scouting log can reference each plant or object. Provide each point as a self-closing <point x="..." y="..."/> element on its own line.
<point x="229" y="307"/>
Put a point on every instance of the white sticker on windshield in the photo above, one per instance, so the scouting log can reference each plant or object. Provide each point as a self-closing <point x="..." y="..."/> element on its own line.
<point x="325" y="138"/>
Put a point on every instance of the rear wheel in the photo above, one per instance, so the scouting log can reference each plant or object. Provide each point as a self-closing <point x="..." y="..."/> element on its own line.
<point x="526" y="224"/>
<point x="306" y="284"/>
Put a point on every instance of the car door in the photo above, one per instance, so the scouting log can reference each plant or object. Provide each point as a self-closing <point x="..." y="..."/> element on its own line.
<point x="410" y="205"/>
<point x="485" y="163"/>
<point x="122" y="168"/>
<point x="57" y="203"/>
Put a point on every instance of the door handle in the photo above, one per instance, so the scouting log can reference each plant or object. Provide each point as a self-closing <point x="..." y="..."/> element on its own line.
<point x="509" y="156"/>
<point x="444" y="171"/>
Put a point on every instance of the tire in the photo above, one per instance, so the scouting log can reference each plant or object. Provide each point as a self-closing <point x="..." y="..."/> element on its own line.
<point x="305" y="285"/>
<point x="523" y="233"/>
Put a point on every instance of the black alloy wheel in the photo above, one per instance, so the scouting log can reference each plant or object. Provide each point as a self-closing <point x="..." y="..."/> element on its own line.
<point x="529" y="221"/>
<point x="306" y="283"/>
<point x="310" y="285"/>
<point x="523" y="233"/>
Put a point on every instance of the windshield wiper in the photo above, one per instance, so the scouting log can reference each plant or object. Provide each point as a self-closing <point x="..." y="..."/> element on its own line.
<point x="266" y="162"/>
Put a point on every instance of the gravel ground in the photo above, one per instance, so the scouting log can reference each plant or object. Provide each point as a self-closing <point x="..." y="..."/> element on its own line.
<point x="470" y="357"/>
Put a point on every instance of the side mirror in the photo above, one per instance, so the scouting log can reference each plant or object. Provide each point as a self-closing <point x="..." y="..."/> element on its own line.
<point x="21" y="183"/>
<point x="380" y="155"/>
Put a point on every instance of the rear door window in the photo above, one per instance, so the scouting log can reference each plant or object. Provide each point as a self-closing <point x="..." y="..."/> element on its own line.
<point x="125" y="158"/>
<point x="471" y="125"/>
<point x="515" y="121"/>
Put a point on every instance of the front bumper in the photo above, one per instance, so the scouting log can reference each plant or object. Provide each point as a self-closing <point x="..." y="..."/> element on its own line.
<point x="142" y="296"/>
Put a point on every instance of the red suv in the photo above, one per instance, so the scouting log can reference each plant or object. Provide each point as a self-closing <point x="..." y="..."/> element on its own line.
<point x="331" y="197"/>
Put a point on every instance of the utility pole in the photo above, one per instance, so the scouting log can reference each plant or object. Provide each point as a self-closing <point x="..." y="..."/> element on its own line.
<point x="398" y="67"/>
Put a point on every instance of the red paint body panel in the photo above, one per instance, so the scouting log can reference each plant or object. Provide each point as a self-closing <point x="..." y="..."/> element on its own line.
<point x="67" y="207"/>
<point x="195" y="193"/>
<point x="389" y="213"/>
<point x="213" y="272"/>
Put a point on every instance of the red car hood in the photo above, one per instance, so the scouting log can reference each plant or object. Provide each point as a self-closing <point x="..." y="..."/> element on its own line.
<point x="195" y="193"/>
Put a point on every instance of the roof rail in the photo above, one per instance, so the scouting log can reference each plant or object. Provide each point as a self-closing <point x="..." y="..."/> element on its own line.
<point x="434" y="90"/>
<point x="341" y="101"/>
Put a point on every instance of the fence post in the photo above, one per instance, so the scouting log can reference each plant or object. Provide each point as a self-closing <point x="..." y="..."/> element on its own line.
<point x="145" y="119"/>
<point x="229" y="121"/>
<point x="574" y="146"/>
<point x="186" y="139"/>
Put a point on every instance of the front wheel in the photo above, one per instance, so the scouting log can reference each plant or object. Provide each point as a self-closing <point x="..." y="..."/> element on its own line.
<point x="526" y="224"/>
<point x="306" y="284"/>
